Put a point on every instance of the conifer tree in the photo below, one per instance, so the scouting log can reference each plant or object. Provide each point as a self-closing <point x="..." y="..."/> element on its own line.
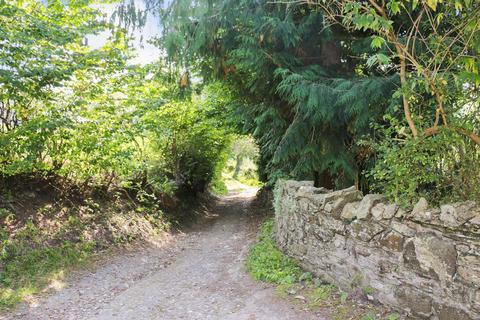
<point x="306" y="92"/>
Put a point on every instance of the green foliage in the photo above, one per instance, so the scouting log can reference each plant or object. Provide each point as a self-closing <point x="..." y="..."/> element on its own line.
<point x="267" y="263"/>
<point x="438" y="86"/>
<point x="51" y="91"/>
<point x="88" y="116"/>
<point x="121" y="130"/>
<point x="329" y="111"/>
<point x="40" y="49"/>
<point x="393" y="316"/>
<point x="249" y="179"/>
<point x="439" y="168"/>
<point x="368" y="317"/>
<point x="219" y="187"/>
<point x="320" y="294"/>
<point x="368" y="290"/>
<point x="86" y="121"/>
<point x="329" y="102"/>
<point x="189" y="143"/>
<point x="27" y="270"/>
<point x="241" y="163"/>
<point x="309" y="92"/>
<point x="303" y="106"/>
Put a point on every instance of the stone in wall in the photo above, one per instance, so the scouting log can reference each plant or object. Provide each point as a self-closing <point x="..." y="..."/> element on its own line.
<point x="425" y="262"/>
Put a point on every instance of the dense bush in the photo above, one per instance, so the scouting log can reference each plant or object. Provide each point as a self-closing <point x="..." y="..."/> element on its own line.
<point x="187" y="146"/>
<point x="440" y="168"/>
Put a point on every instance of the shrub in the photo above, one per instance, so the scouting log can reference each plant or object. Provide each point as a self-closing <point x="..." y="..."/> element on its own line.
<point x="440" y="168"/>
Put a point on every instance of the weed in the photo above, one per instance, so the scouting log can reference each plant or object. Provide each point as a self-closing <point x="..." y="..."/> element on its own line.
<point x="356" y="280"/>
<point x="4" y="213"/>
<point x="267" y="263"/>
<point x="252" y="182"/>
<point x="218" y="187"/>
<point x="368" y="290"/>
<point x="320" y="294"/>
<point x="283" y="290"/>
<point x="306" y="276"/>
<point x="341" y="313"/>
<point x="368" y="317"/>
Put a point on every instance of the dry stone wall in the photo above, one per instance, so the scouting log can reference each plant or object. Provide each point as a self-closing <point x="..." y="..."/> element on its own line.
<point x="425" y="262"/>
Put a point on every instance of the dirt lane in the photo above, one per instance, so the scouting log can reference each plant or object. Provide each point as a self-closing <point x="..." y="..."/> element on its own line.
<point x="197" y="275"/>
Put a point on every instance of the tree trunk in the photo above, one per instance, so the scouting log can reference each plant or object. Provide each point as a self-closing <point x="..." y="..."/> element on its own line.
<point x="176" y="158"/>
<point x="238" y="166"/>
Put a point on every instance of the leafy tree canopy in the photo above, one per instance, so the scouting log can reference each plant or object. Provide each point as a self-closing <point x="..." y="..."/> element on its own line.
<point x="343" y="92"/>
<point x="91" y="117"/>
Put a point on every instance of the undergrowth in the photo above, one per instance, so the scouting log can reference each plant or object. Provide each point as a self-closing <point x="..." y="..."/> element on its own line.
<point x="267" y="263"/>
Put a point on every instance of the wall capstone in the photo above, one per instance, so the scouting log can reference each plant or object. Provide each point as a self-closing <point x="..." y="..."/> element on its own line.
<point x="425" y="262"/>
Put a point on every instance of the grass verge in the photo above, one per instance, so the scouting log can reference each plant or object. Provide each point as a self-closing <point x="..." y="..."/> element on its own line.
<point x="27" y="271"/>
<point x="267" y="263"/>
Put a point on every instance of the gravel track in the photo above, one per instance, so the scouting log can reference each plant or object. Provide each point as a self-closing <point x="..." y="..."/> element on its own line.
<point x="198" y="274"/>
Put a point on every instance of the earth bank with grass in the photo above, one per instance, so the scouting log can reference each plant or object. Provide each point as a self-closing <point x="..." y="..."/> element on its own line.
<point x="46" y="234"/>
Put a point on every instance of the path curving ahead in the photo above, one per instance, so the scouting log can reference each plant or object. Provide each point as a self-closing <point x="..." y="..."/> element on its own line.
<point x="196" y="275"/>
